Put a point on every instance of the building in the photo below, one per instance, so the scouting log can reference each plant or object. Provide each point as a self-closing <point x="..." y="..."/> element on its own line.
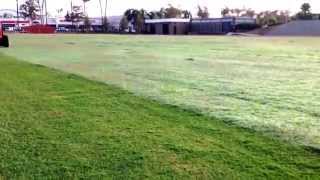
<point x="9" y="19"/>
<point x="222" y="25"/>
<point x="167" y="26"/>
<point x="199" y="26"/>
<point x="96" y="23"/>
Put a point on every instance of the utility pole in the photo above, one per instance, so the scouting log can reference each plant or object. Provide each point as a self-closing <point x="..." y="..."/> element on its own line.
<point x="17" y="13"/>
<point x="45" y="6"/>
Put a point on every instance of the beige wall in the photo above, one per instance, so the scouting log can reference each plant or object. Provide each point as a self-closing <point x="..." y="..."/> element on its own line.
<point x="181" y="28"/>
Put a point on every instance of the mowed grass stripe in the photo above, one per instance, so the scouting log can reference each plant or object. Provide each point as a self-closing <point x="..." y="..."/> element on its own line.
<point x="271" y="85"/>
<point x="58" y="125"/>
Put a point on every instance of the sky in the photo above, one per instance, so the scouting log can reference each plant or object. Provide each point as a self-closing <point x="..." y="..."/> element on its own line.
<point x="117" y="7"/>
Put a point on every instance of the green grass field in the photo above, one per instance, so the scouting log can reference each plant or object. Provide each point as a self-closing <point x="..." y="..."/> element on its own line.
<point x="55" y="125"/>
<point x="159" y="107"/>
<point x="271" y="85"/>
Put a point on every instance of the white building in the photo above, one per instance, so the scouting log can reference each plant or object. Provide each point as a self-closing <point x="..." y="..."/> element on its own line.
<point x="114" y="22"/>
<point x="9" y="18"/>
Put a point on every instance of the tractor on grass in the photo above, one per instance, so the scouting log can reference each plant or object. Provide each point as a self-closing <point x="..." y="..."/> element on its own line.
<point x="4" y="39"/>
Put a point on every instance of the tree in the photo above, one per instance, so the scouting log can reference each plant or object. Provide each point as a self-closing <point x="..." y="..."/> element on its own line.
<point x="203" y="13"/>
<point x="105" y="24"/>
<point x="86" y="24"/>
<point x="173" y="12"/>
<point x="124" y="24"/>
<point x="75" y="16"/>
<point x="136" y="18"/>
<point x="169" y="12"/>
<point x="305" y="13"/>
<point x="104" y="18"/>
<point x="270" y="18"/>
<point x="306" y="8"/>
<point x="225" y="12"/>
<point x="17" y="5"/>
<point x="237" y="11"/>
<point x="186" y="14"/>
<point x="248" y="13"/>
<point x="153" y="15"/>
<point x="84" y="6"/>
<point x="44" y="11"/>
<point x="30" y="9"/>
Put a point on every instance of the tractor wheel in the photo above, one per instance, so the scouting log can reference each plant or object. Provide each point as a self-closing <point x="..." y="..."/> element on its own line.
<point x="5" y="41"/>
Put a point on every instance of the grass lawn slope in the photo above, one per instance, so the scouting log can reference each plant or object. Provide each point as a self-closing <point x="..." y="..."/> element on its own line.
<point x="271" y="85"/>
<point x="58" y="125"/>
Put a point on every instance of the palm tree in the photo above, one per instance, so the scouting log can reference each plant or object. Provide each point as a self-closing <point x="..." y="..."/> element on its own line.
<point x="84" y="5"/>
<point x="104" y="19"/>
<point x="17" y="3"/>
<point x="105" y="9"/>
<point x="186" y="14"/>
<point x="46" y="10"/>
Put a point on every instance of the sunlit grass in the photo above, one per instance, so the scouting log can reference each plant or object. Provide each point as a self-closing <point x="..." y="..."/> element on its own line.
<point x="267" y="84"/>
<point x="55" y="125"/>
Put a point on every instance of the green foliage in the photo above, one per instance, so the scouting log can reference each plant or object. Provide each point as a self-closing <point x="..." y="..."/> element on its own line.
<point x="136" y="18"/>
<point x="134" y="15"/>
<point x="173" y="12"/>
<point x="271" y="18"/>
<point x="87" y="24"/>
<point x="225" y="12"/>
<point x="76" y="15"/>
<point x="306" y="8"/>
<point x="124" y="23"/>
<point x="305" y="13"/>
<point x="203" y="13"/>
<point x="105" y="24"/>
<point x="30" y="9"/>
<point x="104" y="18"/>
<point x="60" y="126"/>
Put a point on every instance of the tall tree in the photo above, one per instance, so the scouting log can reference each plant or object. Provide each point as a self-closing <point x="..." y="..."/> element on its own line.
<point x="136" y="18"/>
<point x="186" y="14"/>
<point x="306" y="8"/>
<point x="225" y="12"/>
<point x="173" y="12"/>
<point x="103" y="12"/>
<point x="44" y="10"/>
<point x="305" y="13"/>
<point x="17" y="4"/>
<point x="86" y="24"/>
<point x="75" y="16"/>
<point x="124" y="24"/>
<point x="249" y="13"/>
<point x="84" y="6"/>
<point x="203" y="13"/>
<point x="237" y="11"/>
<point x="30" y="9"/>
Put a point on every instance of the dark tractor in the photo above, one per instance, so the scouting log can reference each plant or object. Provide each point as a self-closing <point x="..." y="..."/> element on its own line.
<point x="4" y="40"/>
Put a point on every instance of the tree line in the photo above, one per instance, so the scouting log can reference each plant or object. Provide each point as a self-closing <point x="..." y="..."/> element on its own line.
<point x="37" y="9"/>
<point x="137" y="17"/>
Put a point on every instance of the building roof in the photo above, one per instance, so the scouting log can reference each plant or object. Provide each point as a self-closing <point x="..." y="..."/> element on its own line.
<point x="10" y="13"/>
<point x="236" y="20"/>
<point x="168" y="20"/>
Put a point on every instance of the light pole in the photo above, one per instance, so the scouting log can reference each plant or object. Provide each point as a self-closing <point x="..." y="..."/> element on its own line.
<point x="45" y="7"/>
<point x="17" y="3"/>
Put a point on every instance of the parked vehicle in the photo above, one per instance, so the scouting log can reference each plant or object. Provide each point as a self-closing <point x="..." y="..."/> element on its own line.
<point x="4" y="40"/>
<point x="62" y="29"/>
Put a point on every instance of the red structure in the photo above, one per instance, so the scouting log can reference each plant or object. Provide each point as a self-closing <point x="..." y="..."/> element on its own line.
<point x="4" y="40"/>
<point x="39" y="29"/>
